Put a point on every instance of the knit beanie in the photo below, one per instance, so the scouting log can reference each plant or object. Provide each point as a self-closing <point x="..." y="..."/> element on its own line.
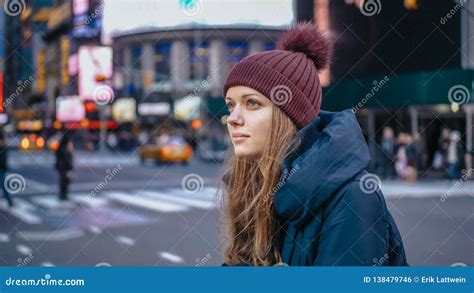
<point x="288" y="76"/>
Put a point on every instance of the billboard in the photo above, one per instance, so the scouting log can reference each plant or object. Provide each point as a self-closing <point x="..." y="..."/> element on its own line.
<point x="124" y="110"/>
<point x="70" y="109"/>
<point x="94" y="62"/>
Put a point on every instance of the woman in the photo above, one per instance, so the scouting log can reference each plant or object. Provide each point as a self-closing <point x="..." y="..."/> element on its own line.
<point x="297" y="191"/>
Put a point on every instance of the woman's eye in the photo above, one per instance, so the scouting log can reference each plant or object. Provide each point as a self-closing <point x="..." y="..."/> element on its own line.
<point x="252" y="103"/>
<point x="230" y="106"/>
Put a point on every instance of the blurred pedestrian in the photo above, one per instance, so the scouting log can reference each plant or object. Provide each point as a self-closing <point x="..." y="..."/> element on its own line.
<point x="440" y="158"/>
<point x="112" y="141"/>
<point x="388" y="146"/>
<point x="412" y="159"/>
<point x="455" y="155"/>
<point x="420" y="146"/>
<point x="401" y="161"/>
<point x="64" y="165"/>
<point x="4" y="166"/>
<point x="297" y="191"/>
<point x="143" y="137"/>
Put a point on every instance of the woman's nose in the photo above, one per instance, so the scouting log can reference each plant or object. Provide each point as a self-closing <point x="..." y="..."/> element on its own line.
<point x="235" y="116"/>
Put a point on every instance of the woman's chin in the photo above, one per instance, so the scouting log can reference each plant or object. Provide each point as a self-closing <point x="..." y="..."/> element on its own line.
<point x="246" y="153"/>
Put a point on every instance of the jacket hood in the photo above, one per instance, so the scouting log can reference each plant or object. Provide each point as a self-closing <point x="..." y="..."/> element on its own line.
<point x="332" y="150"/>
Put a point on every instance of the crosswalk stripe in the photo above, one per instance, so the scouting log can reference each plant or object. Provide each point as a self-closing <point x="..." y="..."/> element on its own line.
<point x="23" y="249"/>
<point x="178" y="200"/>
<point x="145" y="203"/>
<point x="23" y="211"/>
<point x="4" y="237"/>
<point x="171" y="257"/>
<point x="87" y="200"/>
<point x="95" y="229"/>
<point x="51" y="202"/>
<point x="127" y="241"/>
<point x="56" y="235"/>
<point x="207" y="193"/>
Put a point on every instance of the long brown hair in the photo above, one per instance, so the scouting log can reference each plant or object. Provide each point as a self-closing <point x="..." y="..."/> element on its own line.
<point x="251" y="226"/>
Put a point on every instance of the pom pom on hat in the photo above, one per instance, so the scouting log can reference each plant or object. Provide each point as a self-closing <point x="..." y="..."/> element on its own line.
<point x="306" y="38"/>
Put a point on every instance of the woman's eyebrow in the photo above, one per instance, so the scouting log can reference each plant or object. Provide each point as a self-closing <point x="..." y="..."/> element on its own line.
<point x="250" y="95"/>
<point x="244" y="96"/>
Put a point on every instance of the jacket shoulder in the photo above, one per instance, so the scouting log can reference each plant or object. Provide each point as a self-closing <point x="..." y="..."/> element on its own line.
<point x="361" y="195"/>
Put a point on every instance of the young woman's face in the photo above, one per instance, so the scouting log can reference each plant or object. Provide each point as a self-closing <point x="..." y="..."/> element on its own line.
<point x="249" y="121"/>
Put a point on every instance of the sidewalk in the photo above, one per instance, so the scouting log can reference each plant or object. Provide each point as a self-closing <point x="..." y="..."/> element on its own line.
<point x="82" y="158"/>
<point x="435" y="188"/>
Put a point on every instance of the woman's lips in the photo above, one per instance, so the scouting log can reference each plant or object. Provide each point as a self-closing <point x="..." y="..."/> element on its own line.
<point x="239" y="137"/>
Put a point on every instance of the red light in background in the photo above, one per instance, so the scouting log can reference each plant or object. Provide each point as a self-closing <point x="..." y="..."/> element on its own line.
<point x="90" y="107"/>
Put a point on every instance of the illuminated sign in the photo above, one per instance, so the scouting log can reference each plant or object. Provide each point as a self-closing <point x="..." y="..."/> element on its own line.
<point x="157" y="109"/>
<point x="123" y="110"/>
<point x="64" y="55"/>
<point x="41" y="72"/>
<point x="70" y="109"/>
<point x="94" y="61"/>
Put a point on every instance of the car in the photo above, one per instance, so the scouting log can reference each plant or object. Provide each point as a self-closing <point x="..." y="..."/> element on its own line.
<point x="167" y="149"/>
<point x="31" y="142"/>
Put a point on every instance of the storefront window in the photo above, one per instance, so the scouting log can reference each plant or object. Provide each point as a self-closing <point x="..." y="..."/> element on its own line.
<point x="162" y="61"/>
<point x="199" y="60"/>
<point x="237" y="51"/>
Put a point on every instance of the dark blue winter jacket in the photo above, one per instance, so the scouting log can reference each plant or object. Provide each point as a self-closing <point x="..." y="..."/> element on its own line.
<point x="330" y="210"/>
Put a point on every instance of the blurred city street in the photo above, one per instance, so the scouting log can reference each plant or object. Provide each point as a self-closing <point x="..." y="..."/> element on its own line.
<point x="145" y="216"/>
<point x="115" y="132"/>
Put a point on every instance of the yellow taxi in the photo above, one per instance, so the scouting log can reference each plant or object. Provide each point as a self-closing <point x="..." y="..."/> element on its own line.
<point x="32" y="142"/>
<point x="167" y="149"/>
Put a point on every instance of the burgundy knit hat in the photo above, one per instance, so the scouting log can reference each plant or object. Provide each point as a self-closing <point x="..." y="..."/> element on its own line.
<point x="288" y="76"/>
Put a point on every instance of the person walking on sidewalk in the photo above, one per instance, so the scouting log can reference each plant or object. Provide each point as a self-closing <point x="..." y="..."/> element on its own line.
<point x="388" y="147"/>
<point x="4" y="166"/>
<point x="455" y="155"/>
<point x="64" y="165"/>
<point x="296" y="190"/>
